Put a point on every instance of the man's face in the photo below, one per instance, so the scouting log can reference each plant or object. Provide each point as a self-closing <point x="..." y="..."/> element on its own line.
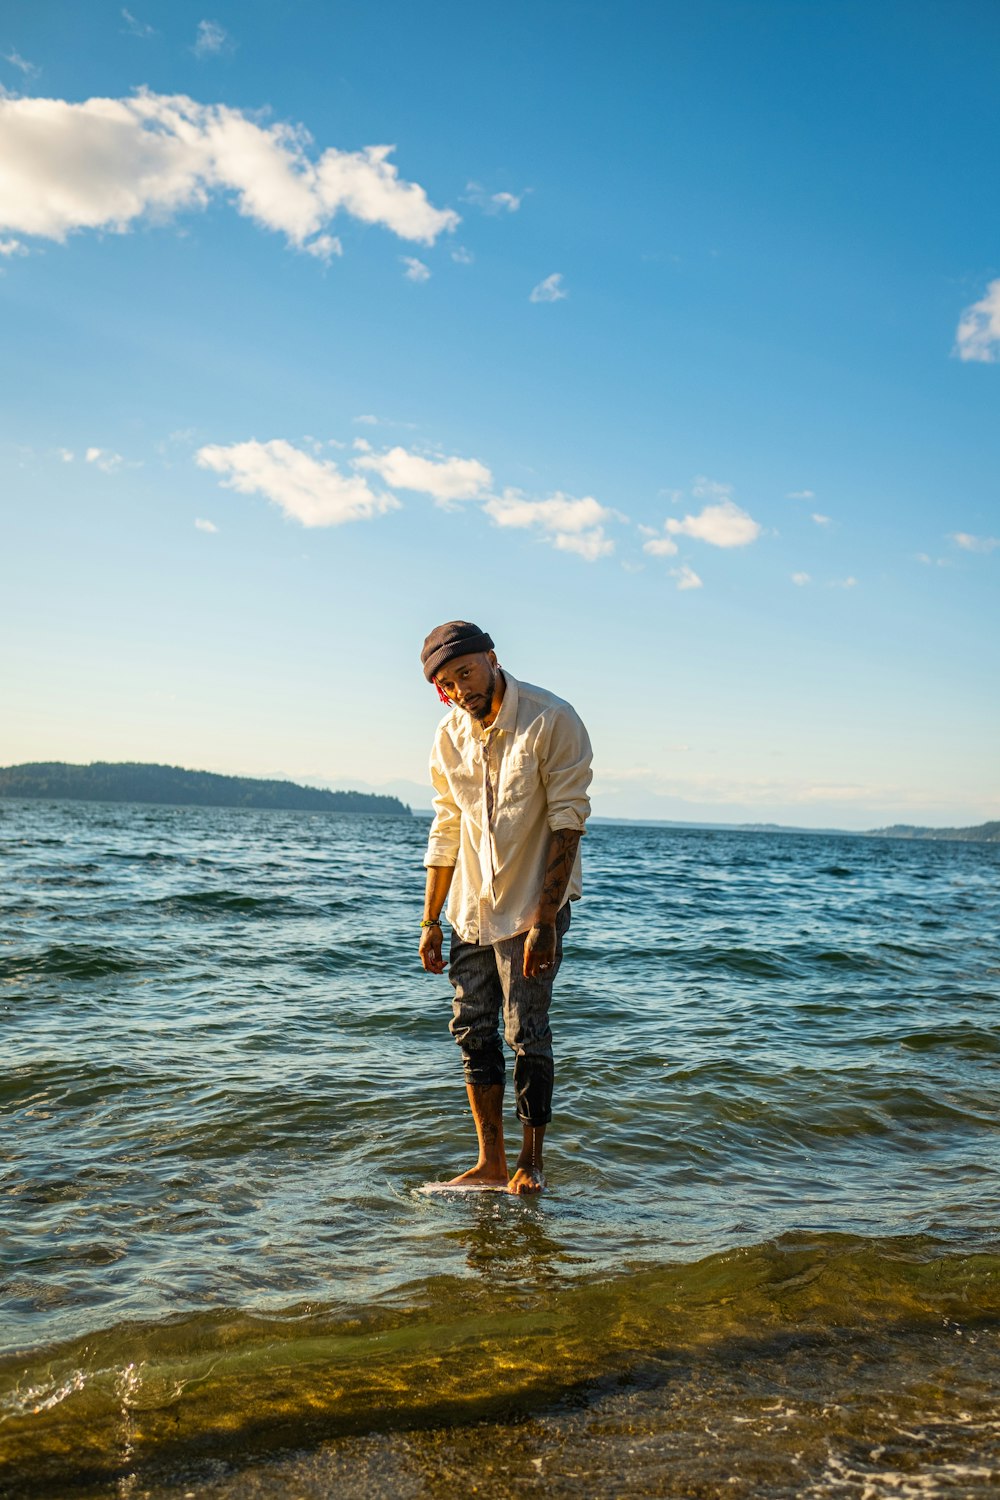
<point x="470" y="682"/>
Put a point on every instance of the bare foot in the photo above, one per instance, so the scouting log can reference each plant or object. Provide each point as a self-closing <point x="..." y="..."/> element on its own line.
<point x="526" y="1180"/>
<point x="482" y="1175"/>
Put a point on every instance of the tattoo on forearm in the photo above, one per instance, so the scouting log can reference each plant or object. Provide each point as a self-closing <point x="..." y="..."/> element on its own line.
<point x="562" y="853"/>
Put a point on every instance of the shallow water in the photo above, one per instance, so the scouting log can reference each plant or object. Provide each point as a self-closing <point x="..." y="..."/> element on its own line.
<point x="227" y="1076"/>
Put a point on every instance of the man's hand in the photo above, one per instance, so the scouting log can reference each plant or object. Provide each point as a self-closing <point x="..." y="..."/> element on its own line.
<point x="540" y="950"/>
<point x="431" y="940"/>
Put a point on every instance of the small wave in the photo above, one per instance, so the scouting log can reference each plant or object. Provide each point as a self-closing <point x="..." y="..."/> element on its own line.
<point x="225" y="902"/>
<point x="73" y="961"/>
<point x="761" y="963"/>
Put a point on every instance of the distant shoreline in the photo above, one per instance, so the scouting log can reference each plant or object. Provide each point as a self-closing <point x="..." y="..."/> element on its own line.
<point x="173" y="786"/>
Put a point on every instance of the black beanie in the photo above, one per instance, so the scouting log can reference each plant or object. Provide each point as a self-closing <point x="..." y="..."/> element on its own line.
<point x="457" y="638"/>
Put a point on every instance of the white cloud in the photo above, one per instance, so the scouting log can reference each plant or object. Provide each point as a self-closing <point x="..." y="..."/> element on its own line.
<point x="820" y="520"/>
<point x="21" y="63"/>
<point x="970" y="543"/>
<point x="462" y="256"/>
<point x="570" y="525"/>
<point x="66" y="454"/>
<point x="549" y="290"/>
<point x="105" y="460"/>
<point x="723" y="524"/>
<point x="206" y="526"/>
<point x="978" y="335"/>
<point x="136" y="27"/>
<point x="368" y="418"/>
<point x="309" y="490"/>
<point x="801" y="579"/>
<point x="446" y="479"/>
<point x="492" y="203"/>
<point x="106" y="163"/>
<point x="415" y="269"/>
<point x="659" y="546"/>
<point x="844" y="583"/>
<point x="324" y="247"/>
<point x="686" y="577"/>
<point x="801" y="495"/>
<point x="12" y="247"/>
<point x="211" y="39"/>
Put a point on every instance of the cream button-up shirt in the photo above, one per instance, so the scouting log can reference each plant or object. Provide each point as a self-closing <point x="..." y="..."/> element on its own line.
<point x="499" y="793"/>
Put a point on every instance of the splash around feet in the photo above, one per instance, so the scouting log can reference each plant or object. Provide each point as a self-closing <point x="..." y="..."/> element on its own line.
<point x="527" y="1180"/>
<point x="485" y="1176"/>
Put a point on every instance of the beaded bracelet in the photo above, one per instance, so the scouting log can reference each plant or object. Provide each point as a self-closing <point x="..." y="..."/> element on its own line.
<point x="432" y="922"/>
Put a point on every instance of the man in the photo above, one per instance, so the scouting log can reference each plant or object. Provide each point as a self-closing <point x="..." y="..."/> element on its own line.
<point x="510" y="767"/>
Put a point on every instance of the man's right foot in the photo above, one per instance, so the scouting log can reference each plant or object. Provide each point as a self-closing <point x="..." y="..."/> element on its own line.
<point x="482" y="1175"/>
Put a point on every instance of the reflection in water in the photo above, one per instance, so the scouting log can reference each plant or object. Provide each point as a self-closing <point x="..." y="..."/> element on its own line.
<point x="508" y="1240"/>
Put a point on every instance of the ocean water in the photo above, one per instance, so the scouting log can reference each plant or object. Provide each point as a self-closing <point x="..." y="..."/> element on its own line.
<point x="768" y="1262"/>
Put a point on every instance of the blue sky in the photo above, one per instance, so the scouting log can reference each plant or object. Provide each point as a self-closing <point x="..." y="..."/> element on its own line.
<point x="664" y="344"/>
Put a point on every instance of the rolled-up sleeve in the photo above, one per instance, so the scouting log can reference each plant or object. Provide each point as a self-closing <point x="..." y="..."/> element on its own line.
<point x="565" y="756"/>
<point x="444" y="837"/>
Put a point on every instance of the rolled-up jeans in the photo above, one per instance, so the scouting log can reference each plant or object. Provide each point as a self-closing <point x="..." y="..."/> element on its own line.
<point x="488" y="979"/>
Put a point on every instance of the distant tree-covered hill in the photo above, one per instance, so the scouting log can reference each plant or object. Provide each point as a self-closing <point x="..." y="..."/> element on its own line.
<point x="983" y="833"/>
<point x="131" y="781"/>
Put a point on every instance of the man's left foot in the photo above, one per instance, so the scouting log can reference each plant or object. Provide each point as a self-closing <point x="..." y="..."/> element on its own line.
<point x="526" y="1180"/>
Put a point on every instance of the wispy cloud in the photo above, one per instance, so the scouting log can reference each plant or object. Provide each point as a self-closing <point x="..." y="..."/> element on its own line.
<point x="820" y="520"/>
<point x="660" y="546"/>
<point x="12" y="247"/>
<point x="568" y="524"/>
<point x="686" y="577"/>
<point x="106" y="460"/>
<point x="801" y="495"/>
<point x="461" y="256"/>
<point x="21" y="63"/>
<point x="324" y="247"/>
<point x="444" y="479"/>
<point x="210" y="40"/>
<point x="66" y="455"/>
<point x="311" y="491"/>
<point x="415" y="269"/>
<point x="209" y="526"/>
<point x="135" y="27"/>
<point x="106" y="163"/>
<point x="493" y="203"/>
<point x="549" y="290"/>
<point x="970" y="543"/>
<point x="978" y="335"/>
<point x="801" y="579"/>
<point x="844" y="583"/>
<point x="721" y="523"/>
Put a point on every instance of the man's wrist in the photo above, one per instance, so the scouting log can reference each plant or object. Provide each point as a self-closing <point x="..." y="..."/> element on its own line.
<point x="430" y="922"/>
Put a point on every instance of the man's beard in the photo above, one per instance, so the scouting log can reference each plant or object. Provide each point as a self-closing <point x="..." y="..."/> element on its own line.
<point x="482" y="708"/>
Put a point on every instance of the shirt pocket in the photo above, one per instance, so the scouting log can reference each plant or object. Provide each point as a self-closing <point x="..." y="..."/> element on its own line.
<point x="520" y="779"/>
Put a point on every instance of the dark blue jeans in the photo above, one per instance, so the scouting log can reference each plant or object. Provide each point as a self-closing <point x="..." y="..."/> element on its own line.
<point x="488" y="979"/>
